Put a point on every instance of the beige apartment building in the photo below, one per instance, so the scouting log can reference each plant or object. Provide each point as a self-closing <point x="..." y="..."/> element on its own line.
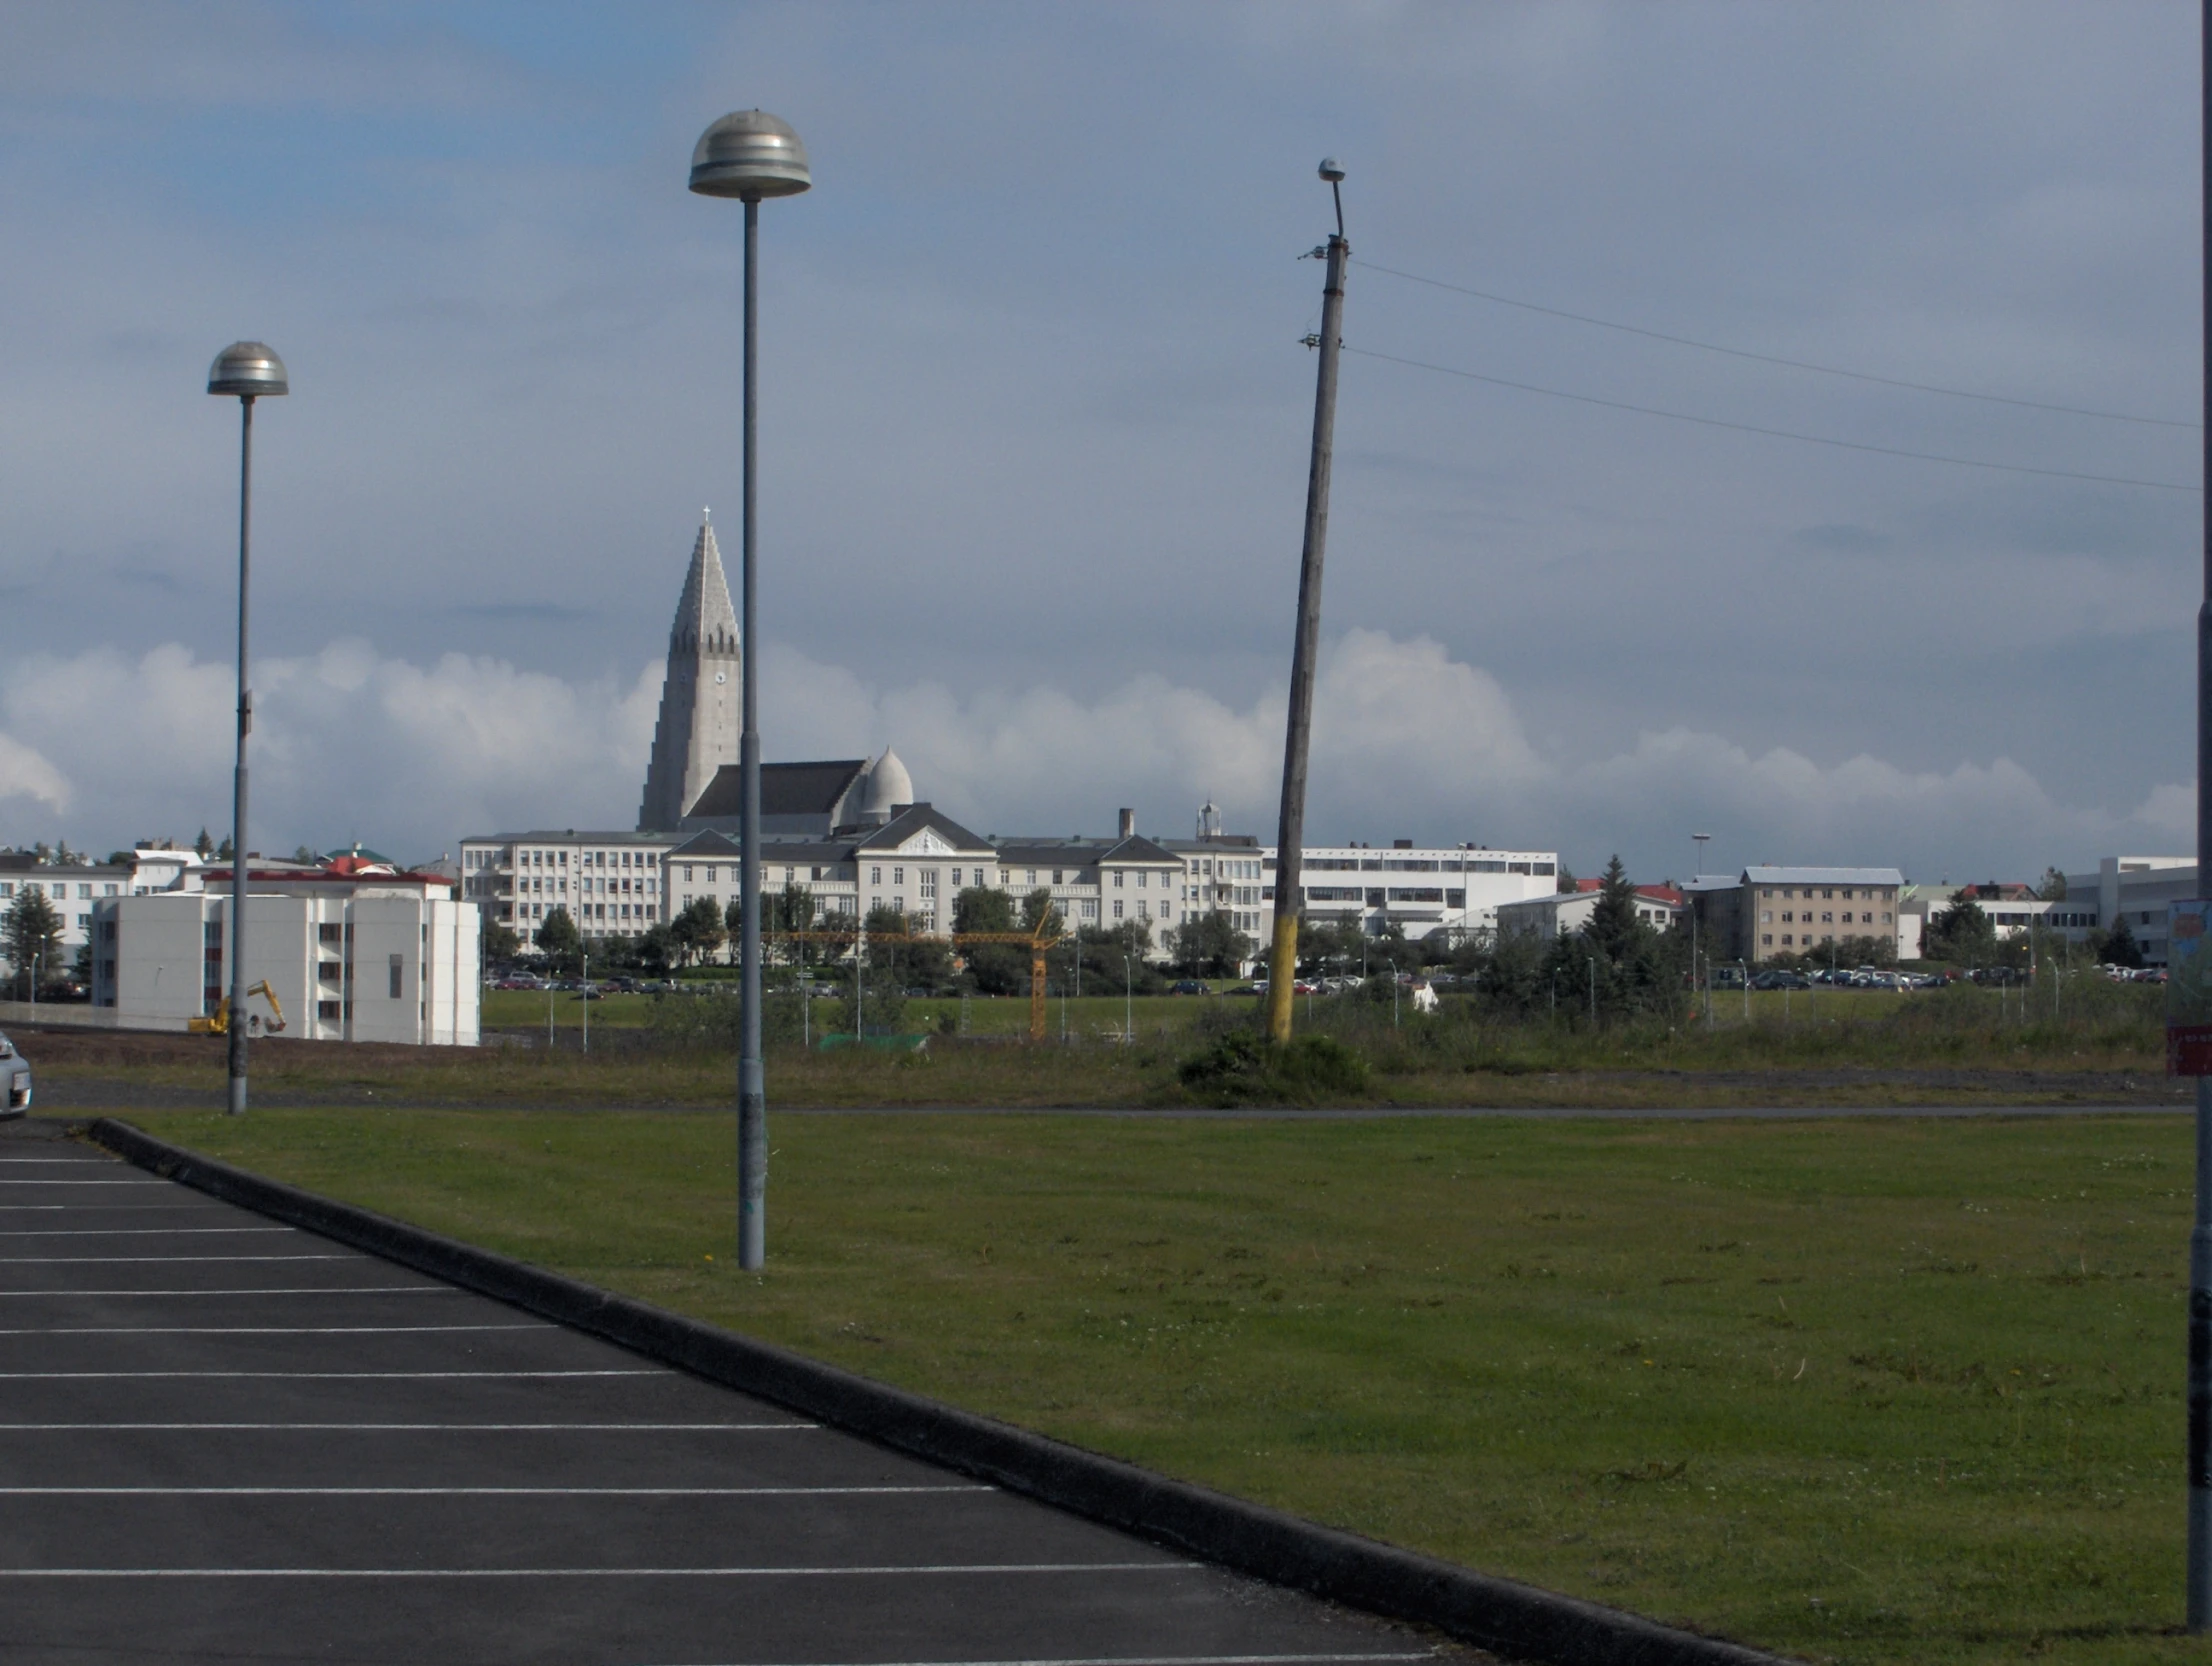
<point x="1791" y="911"/>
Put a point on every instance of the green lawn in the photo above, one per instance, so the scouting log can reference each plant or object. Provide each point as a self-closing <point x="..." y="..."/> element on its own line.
<point x="1880" y="1391"/>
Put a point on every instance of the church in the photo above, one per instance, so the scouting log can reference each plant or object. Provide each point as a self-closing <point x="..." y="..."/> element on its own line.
<point x="854" y="834"/>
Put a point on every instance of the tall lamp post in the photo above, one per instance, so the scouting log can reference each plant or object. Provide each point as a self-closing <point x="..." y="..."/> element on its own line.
<point x="749" y="155"/>
<point x="1697" y="865"/>
<point x="249" y="371"/>
<point x="2200" y="1237"/>
<point x="1282" y="964"/>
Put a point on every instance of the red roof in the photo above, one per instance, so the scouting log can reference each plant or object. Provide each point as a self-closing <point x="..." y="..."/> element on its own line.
<point x="1658" y="893"/>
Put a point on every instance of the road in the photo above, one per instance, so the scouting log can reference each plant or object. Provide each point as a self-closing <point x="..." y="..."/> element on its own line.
<point x="222" y="1439"/>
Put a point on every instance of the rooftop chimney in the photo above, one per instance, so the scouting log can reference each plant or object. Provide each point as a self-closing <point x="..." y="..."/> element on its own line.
<point x="1129" y="824"/>
<point x="1401" y="844"/>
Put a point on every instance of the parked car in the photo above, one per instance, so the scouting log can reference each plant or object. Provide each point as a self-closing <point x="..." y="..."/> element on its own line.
<point x="1781" y="978"/>
<point x="1188" y="986"/>
<point x="15" y="1080"/>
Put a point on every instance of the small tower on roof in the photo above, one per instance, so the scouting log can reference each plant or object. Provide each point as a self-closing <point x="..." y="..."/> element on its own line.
<point x="701" y="715"/>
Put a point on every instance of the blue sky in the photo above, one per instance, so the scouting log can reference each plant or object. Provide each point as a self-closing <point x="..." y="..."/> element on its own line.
<point x="1036" y="413"/>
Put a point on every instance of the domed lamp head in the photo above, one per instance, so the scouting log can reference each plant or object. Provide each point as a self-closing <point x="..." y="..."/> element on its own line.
<point x="248" y="370"/>
<point x="749" y="154"/>
<point x="1331" y="169"/>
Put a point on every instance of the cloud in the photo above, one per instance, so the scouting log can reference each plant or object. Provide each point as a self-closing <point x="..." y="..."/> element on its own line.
<point x="1407" y="742"/>
<point x="24" y="774"/>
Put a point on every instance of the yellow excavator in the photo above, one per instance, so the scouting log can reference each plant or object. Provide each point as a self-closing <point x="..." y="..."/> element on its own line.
<point x="219" y="1023"/>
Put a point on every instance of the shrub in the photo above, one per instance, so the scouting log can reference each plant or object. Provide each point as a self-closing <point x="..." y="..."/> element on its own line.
<point x="1242" y="1068"/>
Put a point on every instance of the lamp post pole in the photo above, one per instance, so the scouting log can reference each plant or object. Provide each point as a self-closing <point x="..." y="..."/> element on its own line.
<point x="2200" y="1236"/>
<point x="1282" y="965"/>
<point x="247" y="370"/>
<point x="749" y="155"/>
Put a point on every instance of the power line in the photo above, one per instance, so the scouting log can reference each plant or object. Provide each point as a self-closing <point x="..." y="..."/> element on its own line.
<point x="1772" y="433"/>
<point x="1771" y="358"/>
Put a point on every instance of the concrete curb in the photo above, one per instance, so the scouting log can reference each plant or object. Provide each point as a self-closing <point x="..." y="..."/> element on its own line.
<point x="1519" y="1621"/>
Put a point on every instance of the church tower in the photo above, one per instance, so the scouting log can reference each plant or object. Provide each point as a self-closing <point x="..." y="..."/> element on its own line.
<point x="700" y="700"/>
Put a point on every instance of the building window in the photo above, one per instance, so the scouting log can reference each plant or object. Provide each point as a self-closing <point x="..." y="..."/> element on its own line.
<point x="1117" y="879"/>
<point x="1786" y="940"/>
<point x="875" y="876"/>
<point x="1767" y="938"/>
<point x="327" y="1010"/>
<point x="1828" y="916"/>
<point x="898" y="876"/>
<point x="398" y="974"/>
<point x="1117" y="908"/>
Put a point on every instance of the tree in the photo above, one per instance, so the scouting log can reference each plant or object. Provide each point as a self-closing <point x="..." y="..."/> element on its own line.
<point x="32" y="930"/>
<point x="696" y="930"/>
<point x="1567" y="881"/>
<point x="499" y="941"/>
<point x="2118" y="946"/>
<point x="204" y="845"/>
<point x="559" y="938"/>
<point x="307" y="855"/>
<point x="1514" y="977"/>
<point x="1961" y="933"/>
<point x="1613" y="922"/>
<point x="225" y="850"/>
<point x="994" y="968"/>
<point x="2053" y="888"/>
<point x="1210" y="946"/>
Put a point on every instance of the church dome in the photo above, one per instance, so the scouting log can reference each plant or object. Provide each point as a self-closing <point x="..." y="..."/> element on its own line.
<point x="888" y="787"/>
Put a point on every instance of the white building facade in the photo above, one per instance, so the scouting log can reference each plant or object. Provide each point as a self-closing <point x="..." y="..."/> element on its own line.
<point x="390" y="957"/>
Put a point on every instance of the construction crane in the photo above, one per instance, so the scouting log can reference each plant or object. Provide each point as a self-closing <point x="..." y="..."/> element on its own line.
<point x="219" y="1023"/>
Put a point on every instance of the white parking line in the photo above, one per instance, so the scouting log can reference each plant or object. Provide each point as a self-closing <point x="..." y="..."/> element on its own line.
<point x="1182" y="1660"/>
<point x="129" y="1231"/>
<point x="478" y="1492"/>
<point x="256" y="1330"/>
<point x="191" y="1205"/>
<point x="429" y="1428"/>
<point x="309" y="1376"/>
<point x="151" y="1260"/>
<point x="924" y="1570"/>
<point x="301" y="1290"/>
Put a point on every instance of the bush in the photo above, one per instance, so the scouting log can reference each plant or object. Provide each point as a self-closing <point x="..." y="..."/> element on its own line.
<point x="1242" y="1068"/>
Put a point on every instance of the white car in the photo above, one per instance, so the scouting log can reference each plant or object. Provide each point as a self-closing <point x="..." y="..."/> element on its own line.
<point x="15" y="1080"/>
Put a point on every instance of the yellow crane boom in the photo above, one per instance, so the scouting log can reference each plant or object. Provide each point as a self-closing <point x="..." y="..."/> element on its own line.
<point x="219" y="1022"/>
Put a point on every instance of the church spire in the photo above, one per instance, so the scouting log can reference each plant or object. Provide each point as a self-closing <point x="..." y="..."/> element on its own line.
<point x="699" y="717"/>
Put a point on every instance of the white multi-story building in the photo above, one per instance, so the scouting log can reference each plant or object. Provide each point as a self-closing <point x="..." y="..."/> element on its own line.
<point x="354" y="952"/>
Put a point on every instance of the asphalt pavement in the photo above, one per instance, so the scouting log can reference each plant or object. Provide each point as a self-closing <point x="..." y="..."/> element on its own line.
<point x="222" y="1439"/>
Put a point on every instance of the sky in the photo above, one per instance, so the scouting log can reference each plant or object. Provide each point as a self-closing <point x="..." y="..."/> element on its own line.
<point x="1035" y="412"/>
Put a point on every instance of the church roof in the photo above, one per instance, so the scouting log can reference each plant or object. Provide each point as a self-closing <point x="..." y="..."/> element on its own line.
<point x="705" y="620"/>
<point x="799" y="789"/>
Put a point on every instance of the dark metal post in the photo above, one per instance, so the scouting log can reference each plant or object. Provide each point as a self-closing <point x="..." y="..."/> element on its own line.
<point x="1282" y="965"/>
<point x="752" y="1089"/>
<point x="2200" y="1237"/>
<point x="238" y="777"/>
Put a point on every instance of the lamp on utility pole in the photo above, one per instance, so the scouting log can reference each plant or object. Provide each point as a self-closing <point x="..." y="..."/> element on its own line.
<point x="249" y="371"/>
<point x="749" y="155"/>
<point x="1282" y="965"/>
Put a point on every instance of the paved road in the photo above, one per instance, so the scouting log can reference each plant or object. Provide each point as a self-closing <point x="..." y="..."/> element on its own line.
<point x="227" y="1440"/>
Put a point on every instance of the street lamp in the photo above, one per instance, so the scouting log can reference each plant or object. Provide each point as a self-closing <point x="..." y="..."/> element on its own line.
<point x="749" y="155"/>
<point x="249" y="371"/>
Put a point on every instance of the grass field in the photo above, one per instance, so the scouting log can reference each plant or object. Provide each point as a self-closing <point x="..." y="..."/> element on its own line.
<point x="1875" y="1392"/>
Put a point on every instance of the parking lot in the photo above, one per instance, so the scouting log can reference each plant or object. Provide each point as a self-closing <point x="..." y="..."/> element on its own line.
<point x="225" y="1439"/>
